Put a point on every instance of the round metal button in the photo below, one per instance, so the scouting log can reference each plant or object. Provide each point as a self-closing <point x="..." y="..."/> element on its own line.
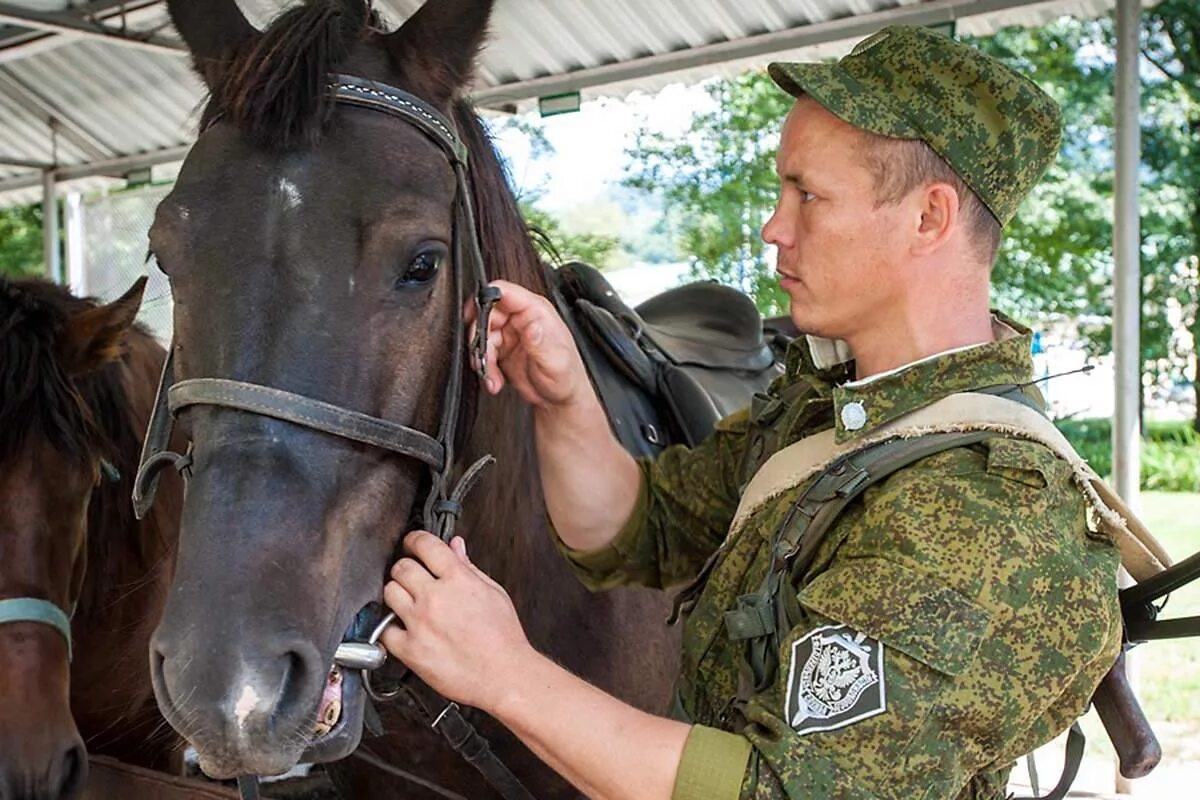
<point x="854" y="416"/>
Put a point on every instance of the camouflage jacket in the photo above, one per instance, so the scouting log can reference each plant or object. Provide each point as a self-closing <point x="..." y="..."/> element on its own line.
<point x="957" y="615"/>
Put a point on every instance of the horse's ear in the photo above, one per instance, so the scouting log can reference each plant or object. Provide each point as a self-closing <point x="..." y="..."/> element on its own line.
<point x="213" y="31"/>
<point x="438" y="45"/>
<point x="93" y="337"/>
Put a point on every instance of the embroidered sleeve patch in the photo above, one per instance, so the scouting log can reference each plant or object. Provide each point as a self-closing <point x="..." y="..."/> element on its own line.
<point x="835" y="680"/>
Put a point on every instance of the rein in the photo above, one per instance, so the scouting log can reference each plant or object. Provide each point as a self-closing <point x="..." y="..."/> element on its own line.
<point x="444" y="503"/>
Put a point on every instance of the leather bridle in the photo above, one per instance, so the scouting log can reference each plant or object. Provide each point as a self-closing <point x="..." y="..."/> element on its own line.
<point x="443" y="504"/>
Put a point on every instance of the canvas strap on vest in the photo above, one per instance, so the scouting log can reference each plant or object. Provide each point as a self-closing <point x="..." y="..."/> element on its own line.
<point x="842" y="474"/>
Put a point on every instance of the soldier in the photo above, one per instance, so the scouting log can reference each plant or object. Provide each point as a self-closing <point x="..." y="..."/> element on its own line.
<point x="955" y="616"/>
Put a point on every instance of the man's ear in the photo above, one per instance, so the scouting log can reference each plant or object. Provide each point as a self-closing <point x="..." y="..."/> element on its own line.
<point x="938" y="204"/>
<point x="93" y="337"/>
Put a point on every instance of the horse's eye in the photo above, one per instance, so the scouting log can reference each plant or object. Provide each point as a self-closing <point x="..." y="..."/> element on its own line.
<point x="422" y="269"/>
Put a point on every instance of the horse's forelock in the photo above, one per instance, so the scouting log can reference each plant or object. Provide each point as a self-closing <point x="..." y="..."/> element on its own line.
<point x="274" y="88"/>
<point x="37" y="396"/>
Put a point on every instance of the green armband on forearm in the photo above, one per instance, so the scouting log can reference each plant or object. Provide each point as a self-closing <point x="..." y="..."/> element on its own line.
<point x="713" y="765"/>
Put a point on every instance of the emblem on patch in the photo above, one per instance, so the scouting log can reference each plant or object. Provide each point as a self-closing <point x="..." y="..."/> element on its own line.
<point x="835" y="680"/>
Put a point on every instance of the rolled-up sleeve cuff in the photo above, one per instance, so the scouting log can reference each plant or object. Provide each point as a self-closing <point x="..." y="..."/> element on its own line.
<point x="596" y="568"/>
<point x="713" y="765"/>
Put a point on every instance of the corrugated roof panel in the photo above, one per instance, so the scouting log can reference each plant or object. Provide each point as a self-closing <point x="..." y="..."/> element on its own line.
<point x="134" y="101"/>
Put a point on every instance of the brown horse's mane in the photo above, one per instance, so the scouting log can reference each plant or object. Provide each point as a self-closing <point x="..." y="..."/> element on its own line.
<point x="37" y="396"/>
<point x="97" y="415"/>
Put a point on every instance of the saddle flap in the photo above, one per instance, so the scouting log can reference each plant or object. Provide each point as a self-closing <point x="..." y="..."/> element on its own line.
<point x="668" y="378"/>
<point x="706" y="324"/>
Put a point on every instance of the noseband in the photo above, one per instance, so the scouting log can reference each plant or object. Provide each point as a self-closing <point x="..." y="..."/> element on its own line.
<point x="443" y="505"/>
<point x="33" y="609"/>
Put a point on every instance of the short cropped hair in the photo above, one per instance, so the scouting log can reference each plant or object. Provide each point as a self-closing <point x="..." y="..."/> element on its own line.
<point x="901" y="165"/>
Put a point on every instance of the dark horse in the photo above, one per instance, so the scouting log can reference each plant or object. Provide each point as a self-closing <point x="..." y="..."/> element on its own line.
<point x="309" y="248"/>
<point x="77" y="383"/>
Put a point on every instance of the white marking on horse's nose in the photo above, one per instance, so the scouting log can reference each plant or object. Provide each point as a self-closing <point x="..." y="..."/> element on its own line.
<point x="245" y="705"/>
<point x="291" y="194"/>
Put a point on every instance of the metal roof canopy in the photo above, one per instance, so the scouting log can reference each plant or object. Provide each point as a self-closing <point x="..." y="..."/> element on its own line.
<point x="104" y="87"/>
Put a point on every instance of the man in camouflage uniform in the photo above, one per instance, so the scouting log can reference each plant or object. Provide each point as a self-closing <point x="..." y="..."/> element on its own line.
<point x="957" y="615"/>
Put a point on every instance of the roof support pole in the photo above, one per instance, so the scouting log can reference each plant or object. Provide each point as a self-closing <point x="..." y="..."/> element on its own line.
<point x="50" y="232"/>
<point x="1127" y="253"/>
<point x="1127" y="299"/>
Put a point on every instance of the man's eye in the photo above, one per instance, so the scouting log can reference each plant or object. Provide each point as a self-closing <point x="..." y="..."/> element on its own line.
<point x="807" y="197"/>
<point x="422" y="269"/>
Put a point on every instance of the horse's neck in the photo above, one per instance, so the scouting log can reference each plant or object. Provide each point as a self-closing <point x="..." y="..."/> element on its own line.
<point x="504" y="514"/>
<point x="127" y="555"/>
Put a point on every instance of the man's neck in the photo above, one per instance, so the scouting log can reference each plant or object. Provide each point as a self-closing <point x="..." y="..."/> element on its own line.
<point x="886" y="347"/>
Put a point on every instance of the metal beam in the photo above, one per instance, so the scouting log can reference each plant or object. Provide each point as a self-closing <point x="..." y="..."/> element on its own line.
<point x="54" y="117"/>
<point x="69" y="24"/>
<point x="24" y="163"/>
<point x="50" y="232"/>
<point x="30" y="42"/>
<point x="112" y="167"/>
<point x="930" y="13"/>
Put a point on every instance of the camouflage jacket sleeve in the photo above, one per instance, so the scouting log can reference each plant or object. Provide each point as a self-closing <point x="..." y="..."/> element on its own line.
<point x="687" y="499"/>
<point x="992" y="609"/>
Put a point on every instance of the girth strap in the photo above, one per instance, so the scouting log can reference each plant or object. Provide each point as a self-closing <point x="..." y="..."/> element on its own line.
<point x="305" y="411"/>
<point x="33" y="609"/>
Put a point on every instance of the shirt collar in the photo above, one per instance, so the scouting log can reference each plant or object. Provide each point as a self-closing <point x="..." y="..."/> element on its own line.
<point x="860" y="407"/>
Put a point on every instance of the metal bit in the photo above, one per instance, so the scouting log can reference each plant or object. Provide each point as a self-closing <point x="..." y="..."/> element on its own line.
<point x="360" y="655"/>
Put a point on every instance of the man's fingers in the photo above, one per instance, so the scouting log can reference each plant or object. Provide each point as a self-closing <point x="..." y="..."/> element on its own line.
<point x="395" y="640"/>
<point x="432" y="551"/>
<point x="397" y="598"/>
<point x="412" y="575"/>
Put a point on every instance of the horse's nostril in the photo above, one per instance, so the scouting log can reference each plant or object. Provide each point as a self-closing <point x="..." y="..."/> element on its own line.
<point x="72" y="773"/>
<point x="296" y="688"/>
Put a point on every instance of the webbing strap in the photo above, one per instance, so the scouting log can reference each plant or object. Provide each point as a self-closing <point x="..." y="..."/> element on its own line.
<point x="1074" y="757"/>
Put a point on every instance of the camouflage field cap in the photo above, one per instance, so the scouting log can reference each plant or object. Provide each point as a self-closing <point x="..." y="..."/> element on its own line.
<point x="994" y="127"/>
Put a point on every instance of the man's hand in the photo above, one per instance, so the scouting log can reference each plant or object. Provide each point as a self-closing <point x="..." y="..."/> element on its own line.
<point x="530" y="347"/>
<point x="461" y="635"/>
<point x="460" y="631"/>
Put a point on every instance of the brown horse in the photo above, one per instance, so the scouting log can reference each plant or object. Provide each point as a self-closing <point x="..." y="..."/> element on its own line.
<point x="77" y="383"/>
<point x="310" y="249"/>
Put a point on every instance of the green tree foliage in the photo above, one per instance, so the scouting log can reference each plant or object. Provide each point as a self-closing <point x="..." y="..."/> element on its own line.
<point x="591" y="248"/>
<point x="559" y="243"/>
<point x="21" y="242"/>
<point x="1056" y="256"/>
<point x="719" y="183"/>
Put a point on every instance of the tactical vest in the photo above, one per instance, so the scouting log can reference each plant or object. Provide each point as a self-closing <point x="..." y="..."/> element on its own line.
<point x="836" y="476"/>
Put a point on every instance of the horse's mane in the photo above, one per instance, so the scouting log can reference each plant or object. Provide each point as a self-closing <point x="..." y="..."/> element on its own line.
<point x="99" y="414"/>
<point x="37" y="396"/>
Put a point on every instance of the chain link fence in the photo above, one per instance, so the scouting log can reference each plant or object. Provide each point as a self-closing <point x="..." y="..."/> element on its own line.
<point x="107" y="248"/>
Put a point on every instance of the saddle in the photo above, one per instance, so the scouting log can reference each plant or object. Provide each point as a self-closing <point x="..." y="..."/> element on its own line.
<point x="669" y="369"/>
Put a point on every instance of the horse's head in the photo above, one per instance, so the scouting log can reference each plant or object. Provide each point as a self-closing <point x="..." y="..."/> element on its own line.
<point x="52" y="457"/>
<point x="310" y="246"/>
